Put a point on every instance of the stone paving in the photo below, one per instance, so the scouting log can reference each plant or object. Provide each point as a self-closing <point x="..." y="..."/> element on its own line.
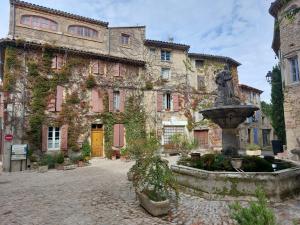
<point x="101" y="194"/>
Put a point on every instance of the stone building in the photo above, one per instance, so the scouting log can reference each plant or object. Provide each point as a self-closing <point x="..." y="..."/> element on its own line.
<point x="68" y="78"/>
<point x="257" y="129"/>
<point x="286" y="44"/>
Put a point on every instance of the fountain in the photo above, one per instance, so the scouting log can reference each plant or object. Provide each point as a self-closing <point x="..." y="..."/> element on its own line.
<point x="228" y="112"/>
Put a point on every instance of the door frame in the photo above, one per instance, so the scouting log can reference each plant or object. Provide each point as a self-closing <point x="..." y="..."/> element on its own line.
<point x="97" y="130"/>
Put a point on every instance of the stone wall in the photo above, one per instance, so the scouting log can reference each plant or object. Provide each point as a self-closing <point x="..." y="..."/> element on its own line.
<point x="289" y="47"/>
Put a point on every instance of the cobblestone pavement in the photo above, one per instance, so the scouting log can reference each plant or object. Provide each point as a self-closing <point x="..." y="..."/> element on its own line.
<point x="101" y="194"/>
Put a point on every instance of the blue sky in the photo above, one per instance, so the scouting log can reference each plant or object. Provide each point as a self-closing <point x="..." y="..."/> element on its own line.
<point x="241" y="29"/>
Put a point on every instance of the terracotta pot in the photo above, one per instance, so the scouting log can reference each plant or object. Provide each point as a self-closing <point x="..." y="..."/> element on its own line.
<point x="154" y="208"/>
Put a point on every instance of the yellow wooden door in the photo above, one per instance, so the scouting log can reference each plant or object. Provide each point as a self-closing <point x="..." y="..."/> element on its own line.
<point x="97" y="143"/>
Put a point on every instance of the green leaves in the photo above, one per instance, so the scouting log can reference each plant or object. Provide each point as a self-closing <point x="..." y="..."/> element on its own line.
<point x="257" y="213"/>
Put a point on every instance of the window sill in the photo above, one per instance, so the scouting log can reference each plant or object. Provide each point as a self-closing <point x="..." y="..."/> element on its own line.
<point x="166" y="61"/>
<point x="293" y="84"/>
<point x="53" y="149"/>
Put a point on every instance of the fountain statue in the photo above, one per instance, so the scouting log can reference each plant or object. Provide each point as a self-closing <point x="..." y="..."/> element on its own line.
<point x="228" y="112"/>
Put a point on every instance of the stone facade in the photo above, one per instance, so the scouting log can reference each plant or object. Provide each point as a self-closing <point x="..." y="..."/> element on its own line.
<point x="257" y="129"/>
<point x="174" y="84"/>
<point x="286" y="44"/>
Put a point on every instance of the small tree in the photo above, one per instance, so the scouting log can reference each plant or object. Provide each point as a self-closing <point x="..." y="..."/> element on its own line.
<point x="182" y="144"/>
<point x="257" y="213"/>
<point x="277" y="99"/>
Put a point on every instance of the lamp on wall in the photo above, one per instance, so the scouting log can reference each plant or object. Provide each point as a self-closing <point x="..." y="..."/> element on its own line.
<point x="269" y="77"/>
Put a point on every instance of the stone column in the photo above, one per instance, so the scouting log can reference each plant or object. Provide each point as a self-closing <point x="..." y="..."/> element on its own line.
<point x="230" y="139"/>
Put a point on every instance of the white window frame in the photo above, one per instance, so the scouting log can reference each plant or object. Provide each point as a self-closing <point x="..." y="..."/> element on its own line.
<point x="163" y="73"/>
<point x="166" y="102"/>
<point x="53" y="147"/>
<point x="164" y="55"/>
<point x="294" y="69"/>
<point x="125" y="37"/>
<point x="116" y="97"/>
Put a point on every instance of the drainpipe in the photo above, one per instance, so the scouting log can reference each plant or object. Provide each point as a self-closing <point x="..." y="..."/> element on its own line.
<point x="109" y="41"/>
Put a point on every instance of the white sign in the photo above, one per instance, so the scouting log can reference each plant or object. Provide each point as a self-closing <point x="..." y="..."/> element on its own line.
<point x="18" y="157"/>
<point x="18" y="152"/>
<point x="19" y="149"/>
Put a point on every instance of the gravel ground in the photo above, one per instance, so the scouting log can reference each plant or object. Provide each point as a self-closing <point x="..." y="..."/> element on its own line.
<point x="101" y="194"/>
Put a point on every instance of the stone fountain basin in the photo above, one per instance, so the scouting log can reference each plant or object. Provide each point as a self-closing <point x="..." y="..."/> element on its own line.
<point x="229" y="116"/>
<point x="277" y="185"/>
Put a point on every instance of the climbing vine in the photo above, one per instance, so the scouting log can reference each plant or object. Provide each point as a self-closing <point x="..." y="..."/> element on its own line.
<point x="11" y="69"/>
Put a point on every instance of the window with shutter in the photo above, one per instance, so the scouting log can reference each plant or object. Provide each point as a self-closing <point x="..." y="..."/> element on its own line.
<point x="59" y="98"/>
<point x="118" y="135"/>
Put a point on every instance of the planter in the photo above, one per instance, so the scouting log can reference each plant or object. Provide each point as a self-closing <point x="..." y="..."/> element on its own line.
<point x="70" y="167"/>
<point x="236" y="163"/>
<point x="43" y="169"/>
<point x="253" y="152"/>
<point x="154" y="208"/>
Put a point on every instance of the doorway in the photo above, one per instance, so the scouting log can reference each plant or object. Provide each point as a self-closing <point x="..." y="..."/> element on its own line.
<point x="97" y="140"/>
<point x="201" y="137"/>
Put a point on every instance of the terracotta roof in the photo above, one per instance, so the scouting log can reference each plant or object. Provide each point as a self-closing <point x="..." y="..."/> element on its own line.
<point x="57" y="12"/>
<point x="244" y="86"/>
<point x="165" y="44"/>
<point x="129" y="27"/>
<point x="35" y="45"/>
<point x="217" y="57"/>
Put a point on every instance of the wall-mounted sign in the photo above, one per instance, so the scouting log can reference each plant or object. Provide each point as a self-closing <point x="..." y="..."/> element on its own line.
<point x="8" y="137"/>
<point x="18" y="153"/>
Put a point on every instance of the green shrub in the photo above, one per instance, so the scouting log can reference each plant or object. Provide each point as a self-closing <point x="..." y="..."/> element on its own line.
<point x="59" y="158"/>
<point x="47" y="160"/>
<point x="124" y="151"/>
<point x="76" y="158"/>
<point x="90" y="82"/>
<point x="256" y="164"/>
<point x="253" y="147"/>
<point x="86" y="149"/>
<point x="257" y="213"/>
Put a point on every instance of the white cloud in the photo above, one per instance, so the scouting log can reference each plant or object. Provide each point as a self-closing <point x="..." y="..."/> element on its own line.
<point x="237" y="28"/>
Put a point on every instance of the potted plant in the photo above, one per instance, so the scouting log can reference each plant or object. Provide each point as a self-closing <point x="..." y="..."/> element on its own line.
<point x="45" y="163"/>
<point x="86" y="150"/>
<point x="253" y="150"/>
<point x="59" y="160"/>
<point x="124" y="153"/>
<point x="153" y="180"/>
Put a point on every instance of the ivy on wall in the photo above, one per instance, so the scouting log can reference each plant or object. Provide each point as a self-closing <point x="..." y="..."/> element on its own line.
<point x="11" y="69"/>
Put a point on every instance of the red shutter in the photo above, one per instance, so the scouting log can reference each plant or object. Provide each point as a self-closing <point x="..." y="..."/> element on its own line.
<point x="123" y="70"/>
<point x="111" y="100"/>
<point x="95" y="101"/>
<point x="100" y="94"/>
<point x="119" y="132"/>
<point x="159" y="101"/>
<point x="95" y="66"/>
<point x="54" y="62"/>
<point x="64" y="138"/>
<point x="59" y="98"/>
<point x="121" y="135"/>
<point x="122" y="100"/>
<point x="116" y="142"/>
<point x="44" y="138"/>
<point x="175" y="102"/>
<point x="60" y="61"/>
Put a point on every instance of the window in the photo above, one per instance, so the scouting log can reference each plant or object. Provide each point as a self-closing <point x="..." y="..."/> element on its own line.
<point x="39" y="22"/>
<point x="167" y="101"/>
<point x="116" y="100"/>
<point x="83" y="31"/>
<point x="53" y="138"/>
<point x="165" y="73"/>
<point x="125" y="39"/>
<point x="152" y="51"/>
<point x="199" y="64"/>
<point x="165" y="55"/>
<point x="57" y="62"/>
<point x="200" y="83"/>
<point x="294" y="69"/>
<point x="169" y="131"/>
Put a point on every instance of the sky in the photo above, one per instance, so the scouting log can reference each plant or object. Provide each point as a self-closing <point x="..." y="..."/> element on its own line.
<point x="240" y="29"/>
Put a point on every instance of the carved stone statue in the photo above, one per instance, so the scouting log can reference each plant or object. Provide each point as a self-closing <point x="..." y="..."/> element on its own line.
<point x="226" y="94"/>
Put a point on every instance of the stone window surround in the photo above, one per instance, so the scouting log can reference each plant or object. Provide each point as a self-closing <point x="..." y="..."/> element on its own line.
<point x="290" y="69"/>
<point x="66" y="33"/>
<point x="162" y="73"/>
<point x="164" y="58"/>
<point x="85" y="29"/>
